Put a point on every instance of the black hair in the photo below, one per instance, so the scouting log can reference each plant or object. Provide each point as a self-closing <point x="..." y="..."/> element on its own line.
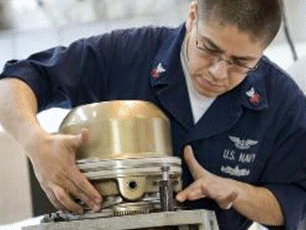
<point x="261" y="18"/>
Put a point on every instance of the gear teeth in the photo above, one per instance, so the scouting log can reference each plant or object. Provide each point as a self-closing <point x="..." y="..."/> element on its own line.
<point x="129" y="212"/>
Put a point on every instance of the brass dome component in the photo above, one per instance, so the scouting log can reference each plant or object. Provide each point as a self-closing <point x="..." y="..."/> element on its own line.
<point x="120" y="130"/>
<point x="129" y="141"/>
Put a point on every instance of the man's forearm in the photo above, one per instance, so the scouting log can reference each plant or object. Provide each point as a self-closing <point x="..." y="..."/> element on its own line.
<point x="18" y="108"/>
<point x="258" y="204"/>
<point x="52" y="156"/>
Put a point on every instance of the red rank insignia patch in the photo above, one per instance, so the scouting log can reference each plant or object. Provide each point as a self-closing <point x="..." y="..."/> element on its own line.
<point x="156" y="72"/>
<point x="254" y="98"/>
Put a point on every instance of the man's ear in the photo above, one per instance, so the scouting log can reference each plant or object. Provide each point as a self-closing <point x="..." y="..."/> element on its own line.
<point x="192" y="16"/>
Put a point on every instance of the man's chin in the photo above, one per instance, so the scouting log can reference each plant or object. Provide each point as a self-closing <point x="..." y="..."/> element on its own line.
<point x="209" y="93"/>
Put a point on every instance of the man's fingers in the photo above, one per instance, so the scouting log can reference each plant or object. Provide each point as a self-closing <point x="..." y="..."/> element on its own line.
<point x="86" y="190"/>
<point x="195" y="168"/>
<point x="80" y="186"/>
<point x="72" y="189"/>
<point x="54" y="200"/>
<point x="63" y="197"/>
<point x="195" y="194"/>
<point x="227" y="202"/>
<point x="192" y="192"/>
<point x="75" y="183"/>
<point x="206" y="184"/>
<point x="60" y="195"/>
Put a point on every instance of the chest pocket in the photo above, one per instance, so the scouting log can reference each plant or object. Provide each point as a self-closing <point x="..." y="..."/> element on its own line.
<point x="231" y="156"/>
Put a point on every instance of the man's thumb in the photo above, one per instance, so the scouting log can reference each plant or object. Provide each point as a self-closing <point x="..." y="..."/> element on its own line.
<point x="80" y="139"/>
<point x="195" y="168"/>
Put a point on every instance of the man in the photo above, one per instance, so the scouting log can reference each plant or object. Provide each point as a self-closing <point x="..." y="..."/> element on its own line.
<point x="237" y="118"/>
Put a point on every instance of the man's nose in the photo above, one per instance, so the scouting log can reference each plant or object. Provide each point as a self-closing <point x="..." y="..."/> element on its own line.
<point x="219" y="70"/>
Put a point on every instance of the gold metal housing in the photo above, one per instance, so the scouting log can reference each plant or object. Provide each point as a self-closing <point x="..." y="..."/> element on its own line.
<point x="129" y="140"/>
<point x="120" y="130"/>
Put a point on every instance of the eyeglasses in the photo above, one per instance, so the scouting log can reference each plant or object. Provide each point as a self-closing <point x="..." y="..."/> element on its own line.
<point x="215" y="56"/>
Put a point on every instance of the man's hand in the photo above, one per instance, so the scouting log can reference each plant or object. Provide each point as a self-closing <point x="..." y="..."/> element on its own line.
<point x="53" y="159"/>
<point x="53" y="156"/>
<point x="206" y="184"/>
<point x="255" y="203"/>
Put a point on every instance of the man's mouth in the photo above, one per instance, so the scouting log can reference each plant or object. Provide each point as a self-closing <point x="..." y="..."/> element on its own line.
<point x="205" y="83"/>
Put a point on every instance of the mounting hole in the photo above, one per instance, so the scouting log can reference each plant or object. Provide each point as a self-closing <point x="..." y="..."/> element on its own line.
<point x="132" y="184"/>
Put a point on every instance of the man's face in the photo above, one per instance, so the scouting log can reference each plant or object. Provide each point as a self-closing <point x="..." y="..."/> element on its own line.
<point x="219" y="57"/>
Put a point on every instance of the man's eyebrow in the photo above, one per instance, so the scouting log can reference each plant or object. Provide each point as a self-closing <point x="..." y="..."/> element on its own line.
<point x="211" y="43"/>
<point x="243" y="58"/>
<point x="218" y="49"/>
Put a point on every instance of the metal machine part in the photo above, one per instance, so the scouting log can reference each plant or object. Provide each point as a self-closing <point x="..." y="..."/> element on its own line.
<point x="113" y="206"/>
<point x="129" y="143"/>
<point x="130" y="178"/>
<point x="120" y="130"/>
<point x="141" y="186"/>
<point x="177" y="220"/>
<point x="166" y="191"/>
<point x="128" y="159"/>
